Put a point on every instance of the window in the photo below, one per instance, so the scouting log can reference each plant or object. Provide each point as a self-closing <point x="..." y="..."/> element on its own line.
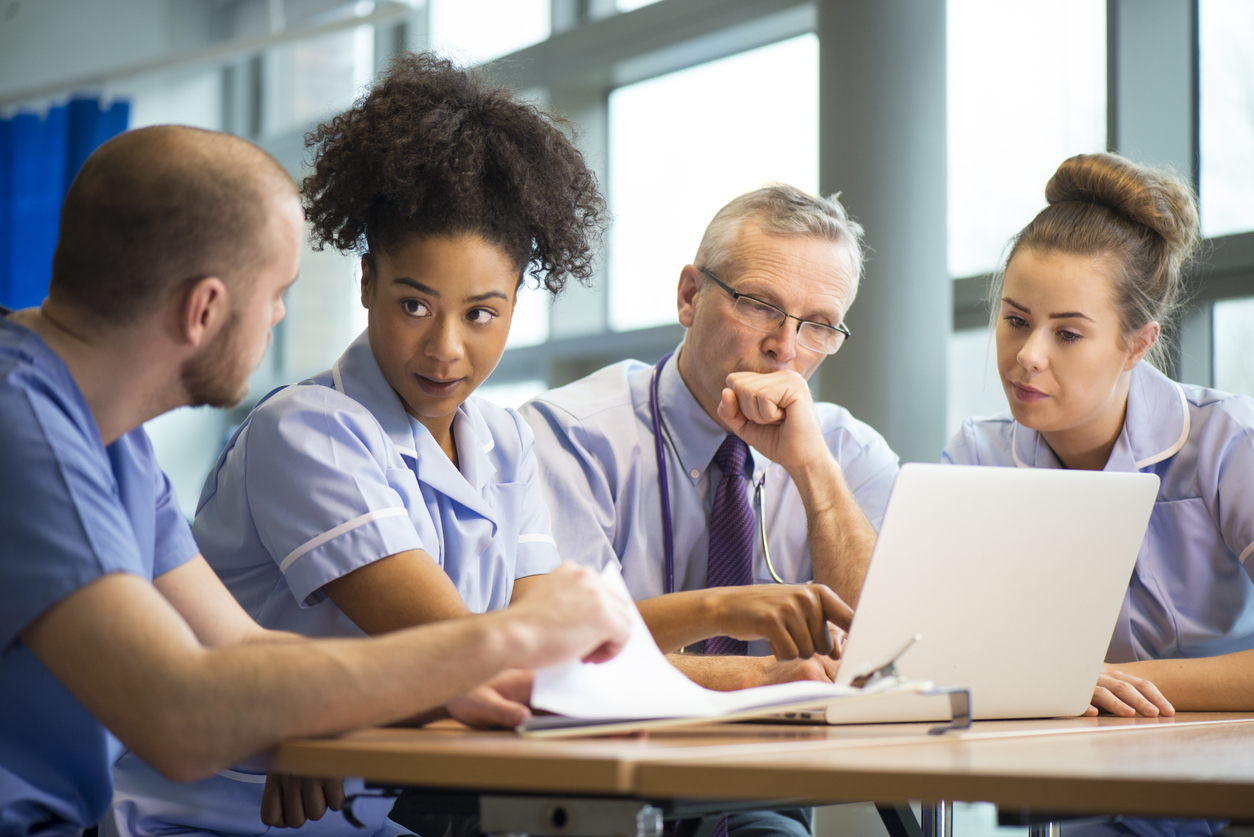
<point x="1233" y="334"/>
<point x="1227" y="123"/>
<point x="683" y="144"/>
<point x="1027" y="89"/>
<point x="475" y="31"/>
<point x="974" y="385"/>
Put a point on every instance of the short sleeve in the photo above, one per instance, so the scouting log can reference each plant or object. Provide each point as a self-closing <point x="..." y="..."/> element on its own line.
<point x="173" y="543"/>
<point x="537" y="549"/>
<point x="575" y="486"/>
<point x="323" y="492"/>
<point x="870" y="467"/>
<point x="63" y="522"/>
<point x="1234" y="482"/>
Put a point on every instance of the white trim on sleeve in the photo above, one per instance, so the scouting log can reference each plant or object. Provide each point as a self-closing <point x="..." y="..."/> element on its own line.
<point x="1246" y="553"/>
<point x="537" y="539"/>
<point x="237" y="776"/>
<point x="348" y="526"/>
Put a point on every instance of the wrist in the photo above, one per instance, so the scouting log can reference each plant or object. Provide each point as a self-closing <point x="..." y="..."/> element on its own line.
<point x="821" y="483"/>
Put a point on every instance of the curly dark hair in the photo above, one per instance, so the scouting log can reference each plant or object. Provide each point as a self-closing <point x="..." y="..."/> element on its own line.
<point x="435" y="150"/>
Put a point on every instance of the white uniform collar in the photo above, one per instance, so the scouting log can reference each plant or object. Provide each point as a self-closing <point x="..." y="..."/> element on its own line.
<point x="1155" y="427"/>
<point x="357" y="375"/>
<point x="695" y="436"/>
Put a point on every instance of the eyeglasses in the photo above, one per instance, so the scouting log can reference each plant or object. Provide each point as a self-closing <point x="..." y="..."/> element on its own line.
<point x="817" y="337"/>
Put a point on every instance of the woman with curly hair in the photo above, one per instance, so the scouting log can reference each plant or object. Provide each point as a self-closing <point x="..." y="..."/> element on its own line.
<point x="379" y="494"/>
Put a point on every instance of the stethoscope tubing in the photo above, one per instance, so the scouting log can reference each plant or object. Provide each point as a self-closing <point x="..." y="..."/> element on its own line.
<point x="663" y="482"/>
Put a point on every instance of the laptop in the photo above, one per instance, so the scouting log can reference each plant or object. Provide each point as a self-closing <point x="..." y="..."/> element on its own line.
<point x="1010" y="578"/>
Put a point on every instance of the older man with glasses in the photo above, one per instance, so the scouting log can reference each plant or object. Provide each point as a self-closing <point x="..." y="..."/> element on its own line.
<point x="713" y="474"/>
<point x="757" y="482"/>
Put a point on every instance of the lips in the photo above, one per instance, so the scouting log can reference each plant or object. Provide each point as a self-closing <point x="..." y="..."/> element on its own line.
<point x="1028" y="395"/>
<point x="437" y="388"/>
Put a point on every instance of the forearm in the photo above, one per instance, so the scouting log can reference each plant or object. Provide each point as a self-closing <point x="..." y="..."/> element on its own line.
<point x="840" y="536"/>
<point x="1207" y="684"/>
<point x="680" y="619"/>
<point x="724" y="674"/>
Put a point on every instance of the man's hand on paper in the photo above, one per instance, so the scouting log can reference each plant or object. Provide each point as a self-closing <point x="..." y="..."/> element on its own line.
<point x="1126" y="695"/>
<point x="501" y="702"/>
<point x="793" y="618"/>
<point x="570" y="612"/>
<point x="288" y="801"/>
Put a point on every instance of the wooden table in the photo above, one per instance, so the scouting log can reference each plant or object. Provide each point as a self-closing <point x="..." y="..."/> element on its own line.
<point x="1197" y="764"/>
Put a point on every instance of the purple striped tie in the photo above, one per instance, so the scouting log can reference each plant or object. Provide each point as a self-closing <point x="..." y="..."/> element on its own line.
<point x="731" y="534"/>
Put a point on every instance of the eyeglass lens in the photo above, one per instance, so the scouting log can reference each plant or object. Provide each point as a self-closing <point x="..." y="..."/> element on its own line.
<point x="765" y="318"/>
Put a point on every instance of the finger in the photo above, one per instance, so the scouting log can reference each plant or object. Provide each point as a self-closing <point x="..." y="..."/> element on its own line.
<point x="604" y="652"/>
<point x="272" y="804"/>
<point x="820" y="638"/>
<point x="1103" y="698"/>
<point x="839" y="638"/>
<point x="312" y="800"/>
<point x="293" y="805"/>
<point x="783" y="646"/>
<point x="1147" y="690"/>
<point x="333" y="793"/>
<point x="729" y="411"/>
<point x="1129" y="694"/>
<point x="1091" y="712"/>
<point x="834" y="608"/>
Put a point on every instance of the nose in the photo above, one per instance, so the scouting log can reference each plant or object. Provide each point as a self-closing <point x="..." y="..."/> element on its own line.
<point x="280" y="311"/>
<point x="1032" y="354"/>
<point x="781" y="344"/>
<point x="444" y="340"/>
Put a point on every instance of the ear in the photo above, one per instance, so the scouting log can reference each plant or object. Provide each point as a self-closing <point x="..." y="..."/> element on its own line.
<point x="1142" y="342"/>
<point x="367" y="282"/>
<point x="205" y="309"/>
<point x="689" y="287"/>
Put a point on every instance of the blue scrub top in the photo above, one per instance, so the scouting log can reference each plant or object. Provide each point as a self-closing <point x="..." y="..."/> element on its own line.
<point x="72" y="511"/>
<point x="1191" y="593"/>
<point x="595" y="444"/>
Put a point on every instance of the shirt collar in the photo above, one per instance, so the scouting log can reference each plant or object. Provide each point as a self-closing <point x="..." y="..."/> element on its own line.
<point x="1155" y="427"/>
<point x="357" y="375"/>
<point x="695" y="436"/>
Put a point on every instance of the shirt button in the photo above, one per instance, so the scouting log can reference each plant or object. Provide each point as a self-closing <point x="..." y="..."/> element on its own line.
<point x="694" y="473"/>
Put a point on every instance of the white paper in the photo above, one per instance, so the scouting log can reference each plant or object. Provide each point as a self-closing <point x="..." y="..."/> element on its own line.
<point x="640" y="683"/>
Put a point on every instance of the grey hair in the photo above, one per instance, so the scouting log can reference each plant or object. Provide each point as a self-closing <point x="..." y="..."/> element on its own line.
<point x="780" y="209"/>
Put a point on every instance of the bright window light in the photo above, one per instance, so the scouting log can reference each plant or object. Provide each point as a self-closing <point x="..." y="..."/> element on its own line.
<point x="684" y="144"/>
<point x="1227" y="82"/>
<point x="1027" y="89"/>
<point x="475" y="31"/>
<point x="1233" y="333"/>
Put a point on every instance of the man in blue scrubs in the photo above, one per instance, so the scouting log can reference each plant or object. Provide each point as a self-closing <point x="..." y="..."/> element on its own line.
<point x="175" y="250"/>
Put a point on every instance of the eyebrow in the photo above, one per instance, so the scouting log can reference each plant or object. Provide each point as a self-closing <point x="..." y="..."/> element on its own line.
<point x="430" y="291"/>
<point x="1064" y="315"/>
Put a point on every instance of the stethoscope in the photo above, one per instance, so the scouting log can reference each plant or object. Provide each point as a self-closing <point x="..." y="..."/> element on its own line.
<point x="663" y="484"/>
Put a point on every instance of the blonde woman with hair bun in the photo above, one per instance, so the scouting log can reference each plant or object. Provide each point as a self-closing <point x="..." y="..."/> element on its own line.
<point x="1080" y="308"/>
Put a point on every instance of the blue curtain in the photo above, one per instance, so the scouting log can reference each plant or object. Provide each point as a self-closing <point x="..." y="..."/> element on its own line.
<point x="38" y="160"/>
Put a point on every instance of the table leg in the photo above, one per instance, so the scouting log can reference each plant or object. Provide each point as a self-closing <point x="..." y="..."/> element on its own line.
<point x="938" y="819"/>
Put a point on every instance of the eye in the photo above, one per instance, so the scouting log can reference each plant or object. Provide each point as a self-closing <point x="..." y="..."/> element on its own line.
<point x="415" y="307"/>
<point x="1069" y="336"/>
<point x="1015" y="321"/>
<point x="481" y="316"/>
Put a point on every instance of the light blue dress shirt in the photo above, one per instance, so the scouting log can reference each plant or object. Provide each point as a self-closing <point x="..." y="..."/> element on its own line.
<point x="595" y="444"/>
<point x="1190" y="594"/>
<point x="322" y="478"/>
<point x="71" y="511"/>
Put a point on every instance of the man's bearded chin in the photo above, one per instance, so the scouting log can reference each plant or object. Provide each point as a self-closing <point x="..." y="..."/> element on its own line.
<point x="217" y="375"/>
